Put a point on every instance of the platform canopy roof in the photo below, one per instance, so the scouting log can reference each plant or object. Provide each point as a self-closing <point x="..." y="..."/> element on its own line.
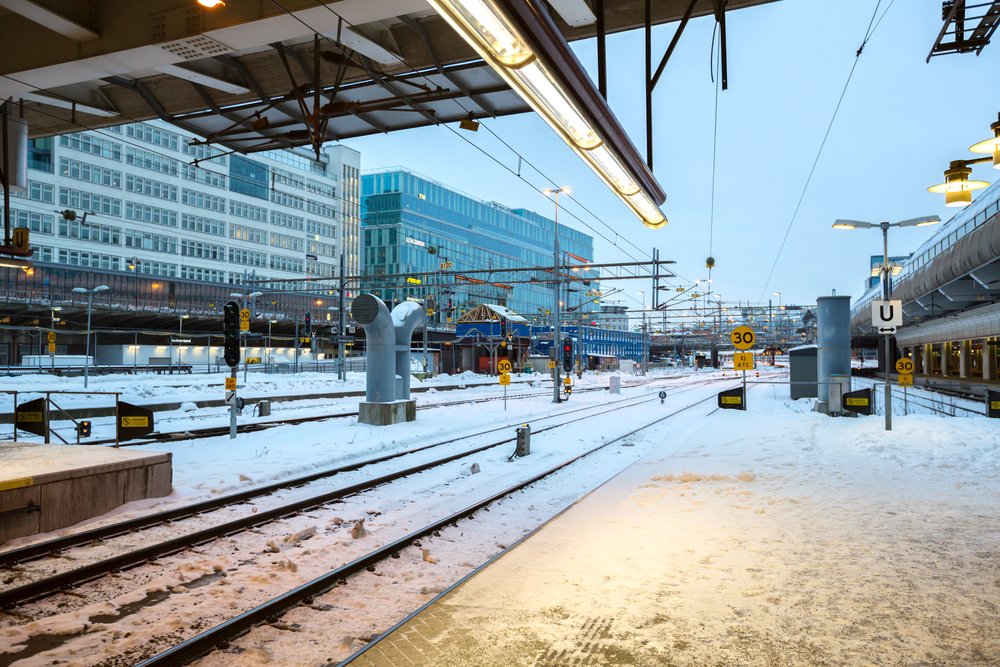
<point x="243" y="74"/>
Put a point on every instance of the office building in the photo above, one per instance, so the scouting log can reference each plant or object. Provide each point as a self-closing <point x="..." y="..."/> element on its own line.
<point x="414" y="226"/>
<point x="147" y="198"/>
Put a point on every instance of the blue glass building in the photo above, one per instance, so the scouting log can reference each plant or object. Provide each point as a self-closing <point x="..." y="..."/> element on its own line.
<point x="414" y="225"/>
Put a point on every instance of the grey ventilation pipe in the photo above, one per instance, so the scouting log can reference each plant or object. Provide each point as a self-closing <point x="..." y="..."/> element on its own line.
<point x="405" y="318"/>
<point x="387" y="346"/>
<point x="371" y="313"/>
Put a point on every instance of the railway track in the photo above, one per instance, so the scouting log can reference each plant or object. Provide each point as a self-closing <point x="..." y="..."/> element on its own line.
<point x="64" y="580"/>
<point x="222" y="635"/>
<point x="371" y="559"/>
<point x="216" y="431"/>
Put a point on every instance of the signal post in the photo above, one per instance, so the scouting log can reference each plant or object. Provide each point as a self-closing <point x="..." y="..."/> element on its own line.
<point x="234" y="321"/>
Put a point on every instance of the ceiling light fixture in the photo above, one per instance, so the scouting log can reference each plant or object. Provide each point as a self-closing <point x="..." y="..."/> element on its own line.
<point x="211" y="4"/>
<point x="524" y="46"/>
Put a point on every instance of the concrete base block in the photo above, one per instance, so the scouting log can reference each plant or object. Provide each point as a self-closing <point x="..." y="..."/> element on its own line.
<point x="387" y="414"/>
<point x="46" y="487"/>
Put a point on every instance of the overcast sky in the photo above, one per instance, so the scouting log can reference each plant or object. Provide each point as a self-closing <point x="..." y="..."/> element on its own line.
<point x="902" y="120"/>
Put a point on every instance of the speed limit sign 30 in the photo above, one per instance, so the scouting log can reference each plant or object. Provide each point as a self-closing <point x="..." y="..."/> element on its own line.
<point x="904" y="366"/>
<point x="743" y="338"/>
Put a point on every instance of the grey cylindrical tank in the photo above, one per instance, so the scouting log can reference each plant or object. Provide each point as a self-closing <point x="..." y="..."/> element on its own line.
<point x="17" y="154"/>
<point x="380" y="346"/>
<point x="833" y="336"/>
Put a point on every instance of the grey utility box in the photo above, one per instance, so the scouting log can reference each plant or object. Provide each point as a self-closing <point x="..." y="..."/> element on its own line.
<point x="802" y="371"/>
<point x="523" y="440"/>
<point x="264" y="409"/>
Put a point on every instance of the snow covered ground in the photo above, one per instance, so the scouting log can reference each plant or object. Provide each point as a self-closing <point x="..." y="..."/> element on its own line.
<point x="774" y="536"/>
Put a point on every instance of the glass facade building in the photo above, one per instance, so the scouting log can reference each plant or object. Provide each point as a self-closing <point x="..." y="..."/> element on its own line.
<point x="414" y="225"/>
<point x="160" y="205"/>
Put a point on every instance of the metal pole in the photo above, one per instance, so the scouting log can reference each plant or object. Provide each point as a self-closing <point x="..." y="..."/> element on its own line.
<point x="556" y="325"/>
<point x="341" y="372"/>
<point x="886" y="295"/>
<point x="232" y="408"/>
<point x="295" y="366"/>
<point x="86" y="359"/>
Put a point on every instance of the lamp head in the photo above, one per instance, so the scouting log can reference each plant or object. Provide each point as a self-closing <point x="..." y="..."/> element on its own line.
<point x="101" y="288"/>
<point x="852" y="224"/>
<point x="957" y="188"/>
<point x="991" y="145"/>
<point x="923" y="221"/>
<point x="80" y="290"/>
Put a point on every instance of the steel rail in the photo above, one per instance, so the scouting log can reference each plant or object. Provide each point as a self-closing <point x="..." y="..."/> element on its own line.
<point x="41" y="549"/>
<point x="70" y="578"/>
<point x="220" y="635"/>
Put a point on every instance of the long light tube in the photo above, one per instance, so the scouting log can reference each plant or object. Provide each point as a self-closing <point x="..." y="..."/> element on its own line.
<point x="488" y="31"/>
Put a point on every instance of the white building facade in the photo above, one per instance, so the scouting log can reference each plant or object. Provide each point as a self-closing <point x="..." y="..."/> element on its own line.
<point x="144" y="197"/>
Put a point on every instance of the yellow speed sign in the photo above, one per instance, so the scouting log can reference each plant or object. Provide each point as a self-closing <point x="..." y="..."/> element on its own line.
<point x="743" y="338"/>
<point x="905" y="366"/>
<point x="503" y="366"/>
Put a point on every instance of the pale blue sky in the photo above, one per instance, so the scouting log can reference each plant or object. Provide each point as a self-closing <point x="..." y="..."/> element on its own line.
<point x="901" y="122"/>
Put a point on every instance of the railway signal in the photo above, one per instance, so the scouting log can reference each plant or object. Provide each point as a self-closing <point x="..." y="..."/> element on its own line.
<point x="231" y="333"/>
<point x="567" y="355"/>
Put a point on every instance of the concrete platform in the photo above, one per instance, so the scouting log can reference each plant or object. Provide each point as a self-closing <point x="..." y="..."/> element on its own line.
<point x="45" y="487"/>
<point x="564" y="596"/>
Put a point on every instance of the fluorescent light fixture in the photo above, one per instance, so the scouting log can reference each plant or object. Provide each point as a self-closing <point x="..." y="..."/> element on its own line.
<point x="15" y="263"/>
<point x="203" y="79"/>
<point x="544" y="77"/>
<point x="66" y="103"/>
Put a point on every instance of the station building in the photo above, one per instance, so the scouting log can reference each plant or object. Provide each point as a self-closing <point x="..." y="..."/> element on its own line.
<point x="950" y="290"/>
<point x="415" y="225"/>
<point x="173" y="228"/>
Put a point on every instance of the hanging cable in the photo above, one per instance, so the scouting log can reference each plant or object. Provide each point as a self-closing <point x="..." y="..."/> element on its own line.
<point x="857" y="57"/>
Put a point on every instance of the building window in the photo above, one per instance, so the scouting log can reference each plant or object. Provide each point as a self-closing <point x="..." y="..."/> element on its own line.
<point x="247" y="211"/>
<point x="140" y="240"/>
<point x="88" y="143"/>
<point x="89" y="202"/>
<point x="196" y="223"/>
<point x="40" y="154"/>
<point x="151" y="187"/>
<point x="247" y="177"/>
<point x="152" y="135"/>
<point x="151" y="214"/>
<point x="203" y="200"/>
<point x="152" y="161"/>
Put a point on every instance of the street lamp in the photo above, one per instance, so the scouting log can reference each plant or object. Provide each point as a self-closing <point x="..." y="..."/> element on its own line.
<point x="643" y="293"/>
<point x="90" y="305"/>
<point x="556" y="325"/>
<point x="886" y="291"/>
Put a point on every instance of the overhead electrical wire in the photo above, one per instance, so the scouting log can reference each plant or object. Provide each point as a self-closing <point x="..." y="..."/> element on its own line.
<point x="857" y="57"/>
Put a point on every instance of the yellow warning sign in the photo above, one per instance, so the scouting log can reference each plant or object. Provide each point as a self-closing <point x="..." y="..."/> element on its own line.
<point x="22" y="239"/>
<point x="731" y="400"/>
<point x="904" y="366"/>
<point x="856" y="401"/>
<point x="29" y="417"/>
<point x="904" y="379"/>
<point x="52" y="348"/>
<point x="994" y="405"/>
<point x="504" y="379"/>
<point x="743" y="338"/>
<point x="504" y="366"/>
<point x="230" y="384"/>
<point x="51" y="337"/>
<point x="135" y="422"/>
<point x="245" y="319"/>
<point x="743" y="361"/>
<point x="552" y="363"/>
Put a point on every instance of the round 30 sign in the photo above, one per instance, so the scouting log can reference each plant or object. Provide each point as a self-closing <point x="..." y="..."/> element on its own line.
<point x="743" y="338"/>
<point x="503" y="366"/>
<point x="904" y="366"/>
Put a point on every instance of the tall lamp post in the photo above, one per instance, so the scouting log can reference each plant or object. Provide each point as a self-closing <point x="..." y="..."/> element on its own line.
<point x="643" y="366"/>
<point x="556" y="324"/>
<point x="90" y="306"/>
<point x="886" y="291"/>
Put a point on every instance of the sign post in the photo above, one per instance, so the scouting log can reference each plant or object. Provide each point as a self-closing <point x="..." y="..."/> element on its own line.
<point x="886" y="316"/>
<point x="904" y="367"/>
<point x="504" y="367"/>
<point x="743" y="338"/>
